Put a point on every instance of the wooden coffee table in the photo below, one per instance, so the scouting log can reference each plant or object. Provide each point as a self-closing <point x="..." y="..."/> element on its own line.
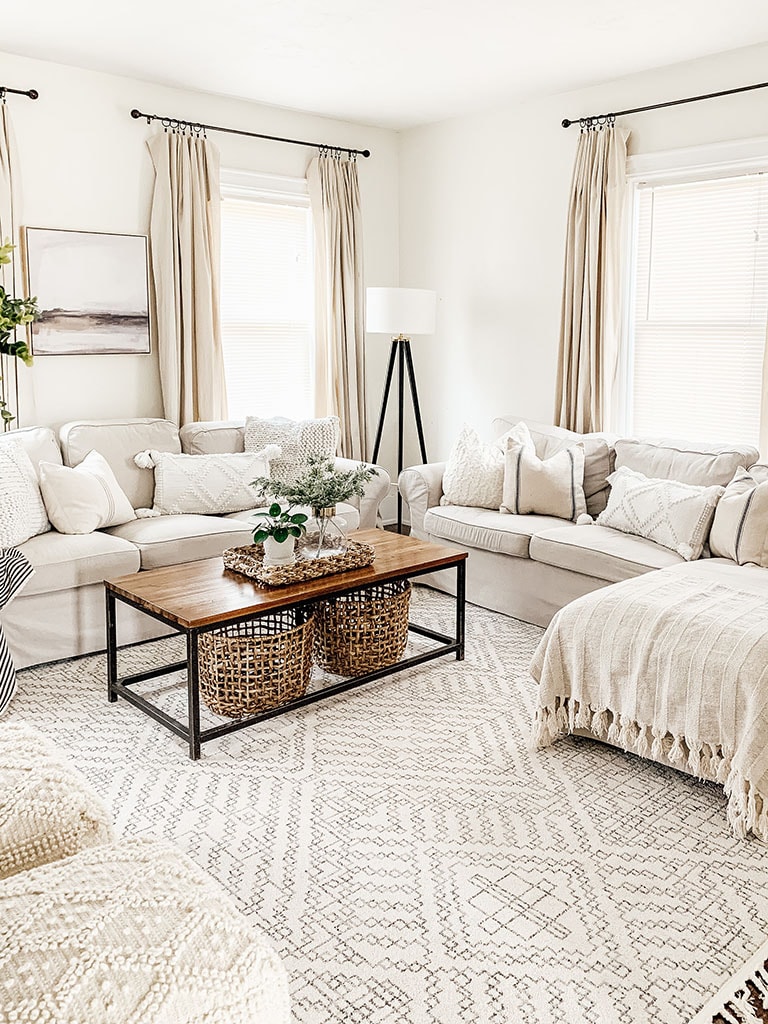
<point x="197" y="597"/>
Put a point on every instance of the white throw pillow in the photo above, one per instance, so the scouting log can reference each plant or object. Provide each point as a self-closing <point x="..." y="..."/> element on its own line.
<point x="205" y="484"/>
<point x="740" y="527"/>
<point x="84" y="498"/>
<point x="297" y="439"/>
<point x="474" y="471"/>
<point x="678" y="516"/>
<point x="22" y="512"/>
<point x="547" y="487"/>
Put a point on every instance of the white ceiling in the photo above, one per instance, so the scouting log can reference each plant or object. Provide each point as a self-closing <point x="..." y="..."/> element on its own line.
<point x="393" y="63"/>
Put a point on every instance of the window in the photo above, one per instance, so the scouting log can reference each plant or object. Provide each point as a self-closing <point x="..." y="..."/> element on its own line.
<point x="699" y="308"/>
<point x="267" y="296"/>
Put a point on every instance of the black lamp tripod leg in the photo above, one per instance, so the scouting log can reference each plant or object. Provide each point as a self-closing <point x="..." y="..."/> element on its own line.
<point x="415" y="397"/>
<point x="385" y="397"/>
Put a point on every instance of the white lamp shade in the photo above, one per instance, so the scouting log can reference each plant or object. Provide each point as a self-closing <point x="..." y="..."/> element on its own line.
<point x="400" y="311"/>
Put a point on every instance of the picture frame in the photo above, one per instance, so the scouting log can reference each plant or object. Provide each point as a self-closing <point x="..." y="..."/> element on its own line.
<point x="92" y="289"/>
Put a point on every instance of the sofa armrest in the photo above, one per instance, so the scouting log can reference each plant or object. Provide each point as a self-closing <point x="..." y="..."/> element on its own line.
<point x="421" y="488"/>
<point x="375" y="492"/>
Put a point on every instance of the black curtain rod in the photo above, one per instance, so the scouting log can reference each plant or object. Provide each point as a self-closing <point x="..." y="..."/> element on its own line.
<point x="174" y="123"/>
<point x="603" y="118"/>
<point x="32" y="93"/>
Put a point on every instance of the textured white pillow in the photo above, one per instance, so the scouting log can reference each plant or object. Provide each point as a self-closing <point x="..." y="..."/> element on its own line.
<point x="297" y="439"/>
<point x="22" y="512"/>
<point x="84" y="498"/>
<point x="474" y="472"/>
<point x="678" y="516"/>
<point x="740" y="527"/>
<point x="547" y="487"/>
<point x="207" y="484"/>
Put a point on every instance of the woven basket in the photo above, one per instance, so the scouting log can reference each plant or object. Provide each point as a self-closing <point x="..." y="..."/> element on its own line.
<point x="250" y="667"/>
<point x="363" y="631"/>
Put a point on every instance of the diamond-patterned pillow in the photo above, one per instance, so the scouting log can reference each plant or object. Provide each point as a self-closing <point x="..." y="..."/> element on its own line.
<point x="677" y="516"/>
<point x="204" y="484"/>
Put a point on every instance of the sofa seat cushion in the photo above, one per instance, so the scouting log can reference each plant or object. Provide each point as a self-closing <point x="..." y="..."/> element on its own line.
<point x="132" y="932"/>
<point x="489" y="530"/>
<point x="348" y="513"/>
<point x="170" y="540"/>
<point x="600" y="552"/>
<point x="47" y="810"/>
<point x="62" y="561"/>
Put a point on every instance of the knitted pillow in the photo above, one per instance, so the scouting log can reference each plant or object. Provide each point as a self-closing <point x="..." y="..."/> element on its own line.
<point x="474" y="472"/>
<point x="677" y="516"/>
<point x="297" y="439"/>
<point x="22" y="512"/>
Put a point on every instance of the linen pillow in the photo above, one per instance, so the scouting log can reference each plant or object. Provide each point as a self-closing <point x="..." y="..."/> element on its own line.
<point x="548" y="487"/>
<point x="474" y="472"/>
<point x="207" y="484"/>
<point x="676" y="515"/>
<point x="740" y="527"/>
<point x="22" y="512"/>
<point x="297" y="439"/>
<point x="84" y="498"/>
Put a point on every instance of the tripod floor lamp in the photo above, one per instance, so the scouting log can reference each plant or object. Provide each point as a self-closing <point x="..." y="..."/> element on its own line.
<point x="400" y="312"/>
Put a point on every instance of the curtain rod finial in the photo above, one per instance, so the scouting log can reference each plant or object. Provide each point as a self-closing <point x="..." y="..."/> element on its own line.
<point x="566" y="123"/>
<point x="366" y="152"/>
<point x="135" y="113"/>
<point x="33" y="94"/>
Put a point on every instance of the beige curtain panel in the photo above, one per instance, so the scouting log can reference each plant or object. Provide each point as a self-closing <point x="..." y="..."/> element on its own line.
<point x="334" y="193"/>
<point x="185" y="235"/>
<point x="590" y="324"/>
<point x="10" y="273"/>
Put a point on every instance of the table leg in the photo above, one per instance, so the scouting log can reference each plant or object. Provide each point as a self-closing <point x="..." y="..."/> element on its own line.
<point x="461" y="600"/>
<point x="111" y="648"/>
<point x="193" y="696"/>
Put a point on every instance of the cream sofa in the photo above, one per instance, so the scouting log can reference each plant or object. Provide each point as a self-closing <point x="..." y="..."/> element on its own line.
<point x="529" y="566"/>
<point x="60" y="613"/>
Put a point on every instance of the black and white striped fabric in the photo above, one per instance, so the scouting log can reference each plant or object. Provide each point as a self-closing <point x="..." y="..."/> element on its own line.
<point x="15" y="570"/>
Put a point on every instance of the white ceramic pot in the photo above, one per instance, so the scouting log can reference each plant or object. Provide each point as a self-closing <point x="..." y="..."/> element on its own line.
<point x="279" y="552"/>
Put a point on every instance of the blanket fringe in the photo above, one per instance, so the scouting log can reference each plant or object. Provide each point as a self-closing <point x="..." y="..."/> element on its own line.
<point x="747" y="808"/>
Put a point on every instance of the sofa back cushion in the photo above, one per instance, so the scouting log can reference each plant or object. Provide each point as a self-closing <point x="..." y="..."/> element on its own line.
<point x="689" y="462"/>
<point x="549" y="441"/>
<point x="40" y="444"/>
<point x="214" y="437"/>
<point x="119" y="441"/>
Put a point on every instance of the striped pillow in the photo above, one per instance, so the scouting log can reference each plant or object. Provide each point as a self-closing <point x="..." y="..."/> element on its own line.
<point x="740" y="527"/>
<point x="548" y="487"/>
<point x="15" y="570"/>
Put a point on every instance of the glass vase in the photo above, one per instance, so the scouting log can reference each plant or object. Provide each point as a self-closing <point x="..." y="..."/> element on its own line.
<point x="326" y="534"/>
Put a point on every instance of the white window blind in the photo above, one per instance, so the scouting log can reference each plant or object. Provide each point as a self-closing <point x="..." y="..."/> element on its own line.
<point x="699" y="309"/>
<point x="267" y="303"/>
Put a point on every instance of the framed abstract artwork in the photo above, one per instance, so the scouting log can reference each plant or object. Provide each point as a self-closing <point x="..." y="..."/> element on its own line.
<point x="92" y="289"/>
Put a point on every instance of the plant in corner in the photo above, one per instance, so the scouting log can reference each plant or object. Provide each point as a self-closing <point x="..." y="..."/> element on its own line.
<point x="13" y="313"/>
<point x="277" y="529"/>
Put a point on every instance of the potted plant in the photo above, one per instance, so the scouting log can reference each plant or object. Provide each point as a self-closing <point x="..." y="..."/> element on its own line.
<point x="277" y="529"/>
<point x="321" y="486"/>
<point x="13" y="313"/>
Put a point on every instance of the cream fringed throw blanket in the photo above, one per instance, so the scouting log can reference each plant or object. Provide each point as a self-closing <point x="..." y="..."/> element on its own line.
<point x="672" y="665"/>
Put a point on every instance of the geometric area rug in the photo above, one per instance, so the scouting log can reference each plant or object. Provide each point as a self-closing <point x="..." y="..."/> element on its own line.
<point x="411" y="858"/>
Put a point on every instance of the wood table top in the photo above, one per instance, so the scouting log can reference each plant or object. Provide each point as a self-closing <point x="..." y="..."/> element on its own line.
<point x="204" y="593"/>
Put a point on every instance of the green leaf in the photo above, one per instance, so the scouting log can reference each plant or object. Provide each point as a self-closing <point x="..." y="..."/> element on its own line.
<point x="274" y="509"/>
<point x="260" y="535"/>
<point x="299" y="519"/>
<point x="280" y="534"/>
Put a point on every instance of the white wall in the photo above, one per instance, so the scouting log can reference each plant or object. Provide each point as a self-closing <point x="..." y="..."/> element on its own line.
<point x="85" y="166"/>
<point x="483" y="202"/>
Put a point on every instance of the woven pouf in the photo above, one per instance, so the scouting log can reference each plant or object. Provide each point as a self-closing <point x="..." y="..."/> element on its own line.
<point x="132" y="933"/>
<point x="364" y="630"/>
<point x="47" y="809"/>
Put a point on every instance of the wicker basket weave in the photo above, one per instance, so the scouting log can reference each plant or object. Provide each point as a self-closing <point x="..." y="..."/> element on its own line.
<point x="364" y="630"/>
<point x="250" y="667"/>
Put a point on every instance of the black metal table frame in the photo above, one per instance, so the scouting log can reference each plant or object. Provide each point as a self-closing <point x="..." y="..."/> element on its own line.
<point x="120" y="686"/>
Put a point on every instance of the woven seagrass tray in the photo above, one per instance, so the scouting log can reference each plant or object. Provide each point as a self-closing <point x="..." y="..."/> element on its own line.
<point x="364" y="630"/>
<point x="249" y="560"/>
